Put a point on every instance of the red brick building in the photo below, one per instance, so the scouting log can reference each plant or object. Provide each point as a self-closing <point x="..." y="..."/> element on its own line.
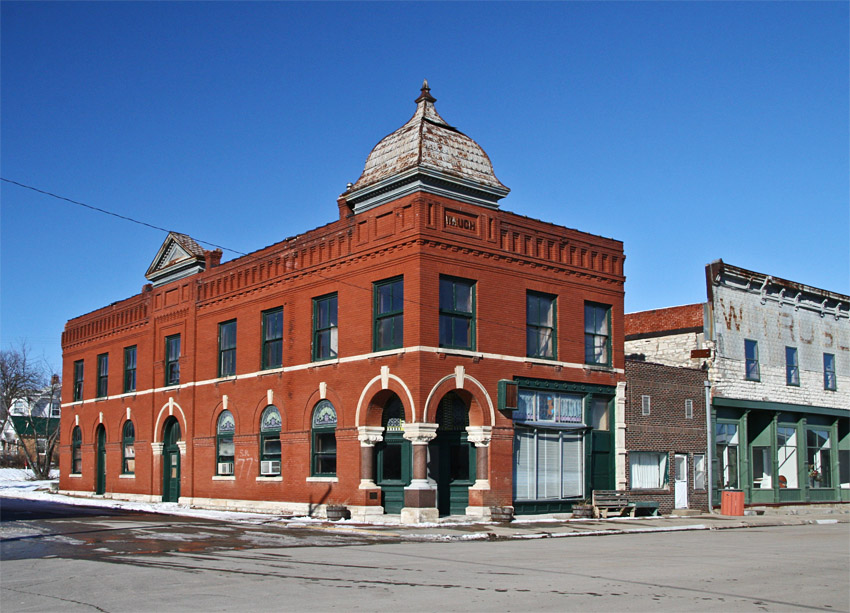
<point x="427" y="353"/>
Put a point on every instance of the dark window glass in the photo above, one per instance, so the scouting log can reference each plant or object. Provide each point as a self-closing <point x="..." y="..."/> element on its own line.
<point x="325" y="345"/>
<point x="227" y="349"/>
<point x="389" y="314"/>
<point x="792" y="369"/>
<point x="78" y="380"/>
<point x="128" y="449"/>
<point x="751" y="356"/>
<point x="540" y="325"/>
<point x="102" y="374"/>
<point x="77" y="451"/>
<point x="172" y="359"/>
<point x="273" y="338"/>
<point x="829" y="382"/>
<point x="597" y="335"/>
<point x="324" y="439"/>
<point x="457" y="308"/>
<point x="130" y="369"/>
<point x="270" y="448"/>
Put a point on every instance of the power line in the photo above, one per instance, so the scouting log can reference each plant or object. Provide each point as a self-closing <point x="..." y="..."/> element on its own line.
<point x="240" y="253"/>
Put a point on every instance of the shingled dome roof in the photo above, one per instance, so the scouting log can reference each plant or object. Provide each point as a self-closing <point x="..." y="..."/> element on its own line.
<point x="426" y="154"/>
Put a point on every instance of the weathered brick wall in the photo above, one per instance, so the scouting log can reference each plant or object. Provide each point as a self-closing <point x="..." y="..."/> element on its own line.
<point x="739" y="314"/>
<point x="666" y="429"/>
<point x="669" y="319"/>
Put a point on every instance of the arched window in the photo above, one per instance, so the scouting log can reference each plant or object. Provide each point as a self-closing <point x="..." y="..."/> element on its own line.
<point x="270" y="424"/>
<point x="225" y="428"/>
<point x="324" y="440"/>
<point x="77" y="451"/>
<point x="128" y="447"/>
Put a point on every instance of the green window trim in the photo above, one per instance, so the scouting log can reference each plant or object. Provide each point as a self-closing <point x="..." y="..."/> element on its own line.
<point x="227" y="348"/>
<point x="172" y="360"/>
<point x="130" y="369"/>
<point x="225" y="451"/>
<point x="128" y="449"/>
<point x="541" y="316"/>
<point x="76" y="451"/>
<point x="323" y="440"/>
<point x="597" y="334"/>
<point x="325" y="328"/>
<point x="102" y="375"/>
<point x="457" y="313"/>
<point x="388" y="314"/>
<point x="272" y="356"/>
<point x="270" y="444"/>
<point x="78" y="379"/>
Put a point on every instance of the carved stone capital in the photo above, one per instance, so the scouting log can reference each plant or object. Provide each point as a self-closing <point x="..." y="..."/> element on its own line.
<point x="369" y="435"/>
<point x="479" y="435"/>
<point x="419" y="433"/>
<point x="156" y="448"/>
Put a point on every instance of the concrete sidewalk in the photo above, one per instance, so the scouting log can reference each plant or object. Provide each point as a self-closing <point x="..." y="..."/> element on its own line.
<point x="555" y="526"/>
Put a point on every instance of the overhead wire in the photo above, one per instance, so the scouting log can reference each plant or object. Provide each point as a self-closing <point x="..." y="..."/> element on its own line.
<point x="241" y="254"/>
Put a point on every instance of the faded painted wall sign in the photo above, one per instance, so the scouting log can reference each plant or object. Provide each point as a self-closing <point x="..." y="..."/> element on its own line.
<point x="453" y="219"/>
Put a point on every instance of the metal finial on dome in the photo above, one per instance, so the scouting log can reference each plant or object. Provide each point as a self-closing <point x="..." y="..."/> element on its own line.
<point x="426" y="93"/>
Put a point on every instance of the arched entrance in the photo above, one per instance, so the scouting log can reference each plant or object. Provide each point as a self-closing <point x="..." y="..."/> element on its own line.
<point x="170" y="461"/>
<point x="451" y="458"/>
<point x="392" y="457"/>
<point x="100" y="461"/>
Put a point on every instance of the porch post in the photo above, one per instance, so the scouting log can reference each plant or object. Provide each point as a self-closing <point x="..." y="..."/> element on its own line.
<point x="420" y="497"/>
<point x="480" y="437"/>
<point x="368" y="437"/>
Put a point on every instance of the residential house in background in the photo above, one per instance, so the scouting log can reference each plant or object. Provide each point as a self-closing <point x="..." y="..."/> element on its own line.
<point x="31" y="422"/>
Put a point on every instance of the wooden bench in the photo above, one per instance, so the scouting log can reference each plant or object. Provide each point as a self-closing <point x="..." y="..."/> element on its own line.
<point x="607" y="501"/>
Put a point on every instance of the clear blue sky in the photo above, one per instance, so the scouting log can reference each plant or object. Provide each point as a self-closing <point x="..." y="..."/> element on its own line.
<point x="690" y="131"/>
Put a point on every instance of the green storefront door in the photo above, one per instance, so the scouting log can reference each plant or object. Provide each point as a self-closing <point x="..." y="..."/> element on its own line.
<point x="601" y="461"/>
<point x="392" y="465"/>
<point x="453" y="466"/>
<point x="171" y="462"/>
<point x="100" y="478"/>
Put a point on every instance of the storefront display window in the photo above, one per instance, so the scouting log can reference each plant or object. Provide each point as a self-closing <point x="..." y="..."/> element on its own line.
<point x="762" y="468"/>
<point x="726" y="456"/>
<point x="786" y="449"/>
<point x="818" y="458"/>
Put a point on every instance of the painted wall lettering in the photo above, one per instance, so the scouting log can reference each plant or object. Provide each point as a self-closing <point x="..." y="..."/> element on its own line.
<point x="460" y="222"/>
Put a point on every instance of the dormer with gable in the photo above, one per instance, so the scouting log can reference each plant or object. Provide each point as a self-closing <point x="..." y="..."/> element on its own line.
<point x="180" y="256"/>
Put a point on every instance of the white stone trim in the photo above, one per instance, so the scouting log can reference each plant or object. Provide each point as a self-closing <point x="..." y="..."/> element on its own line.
<point x="122" y="476"/>
<point x="464" y="379"/>
<point x="381" y="377"/>
<point x="355" y="358"/>
<point x="75" y="475"/>
<point x="223" y="478"/>
<point x="261" y="479"/>
<point x="480" y="484"/>
<point x="170" y="406"/>
<point x="322" y="479"/>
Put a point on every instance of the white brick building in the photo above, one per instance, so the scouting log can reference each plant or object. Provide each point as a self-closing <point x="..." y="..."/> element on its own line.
<point x="778" y="359"/>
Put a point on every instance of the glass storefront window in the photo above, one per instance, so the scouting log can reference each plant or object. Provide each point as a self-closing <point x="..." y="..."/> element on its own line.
<point x="762" y="468"/>
<point x="726" y="456"/>
<point x="786" y="450"/>
<point x="818" y="458"/>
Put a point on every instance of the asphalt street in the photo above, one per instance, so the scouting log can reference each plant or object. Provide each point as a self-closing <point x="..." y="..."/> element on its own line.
<point x="82" y="559"/>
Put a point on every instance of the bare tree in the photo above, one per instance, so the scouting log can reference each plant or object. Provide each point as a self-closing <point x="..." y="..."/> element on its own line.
<point x="23" y="379"/>
<point x="20" y="377"/>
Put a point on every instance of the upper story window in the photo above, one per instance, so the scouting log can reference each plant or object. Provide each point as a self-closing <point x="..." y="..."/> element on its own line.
<point x="273" y="338"/>
<point x="102" y="374"/>
<point x="389" y="314"/>
<point x="78" y="380"/>
<point x="689" y="409"/>
<point x="829" y="381"/>
<point x="172" y="359"/>
<point x="128" y="449"/>
<point x="600" y="414"/>
<point x="645" y="405"/>
<point x="130" y="369"/>
<point x="227" y="348"/>
<point x="325" y="328"/>
<point x="540" y="336"/>
<point x="792" y="369"/>
<point x="751" y="357"/>
<point x="597" y="335"/>
<point x="457" y="313"/>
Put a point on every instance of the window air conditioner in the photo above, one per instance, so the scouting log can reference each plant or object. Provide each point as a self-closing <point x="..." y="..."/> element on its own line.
<point x="225" y="468"/>
<point x="270" y="467"/>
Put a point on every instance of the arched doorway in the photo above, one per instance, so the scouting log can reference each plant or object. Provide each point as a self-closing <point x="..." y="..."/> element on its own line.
<point x="170" y="461"/>
<point x="100" y="462"/>
<point x="451" y="458"/>
<point x="392" y="457"/>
